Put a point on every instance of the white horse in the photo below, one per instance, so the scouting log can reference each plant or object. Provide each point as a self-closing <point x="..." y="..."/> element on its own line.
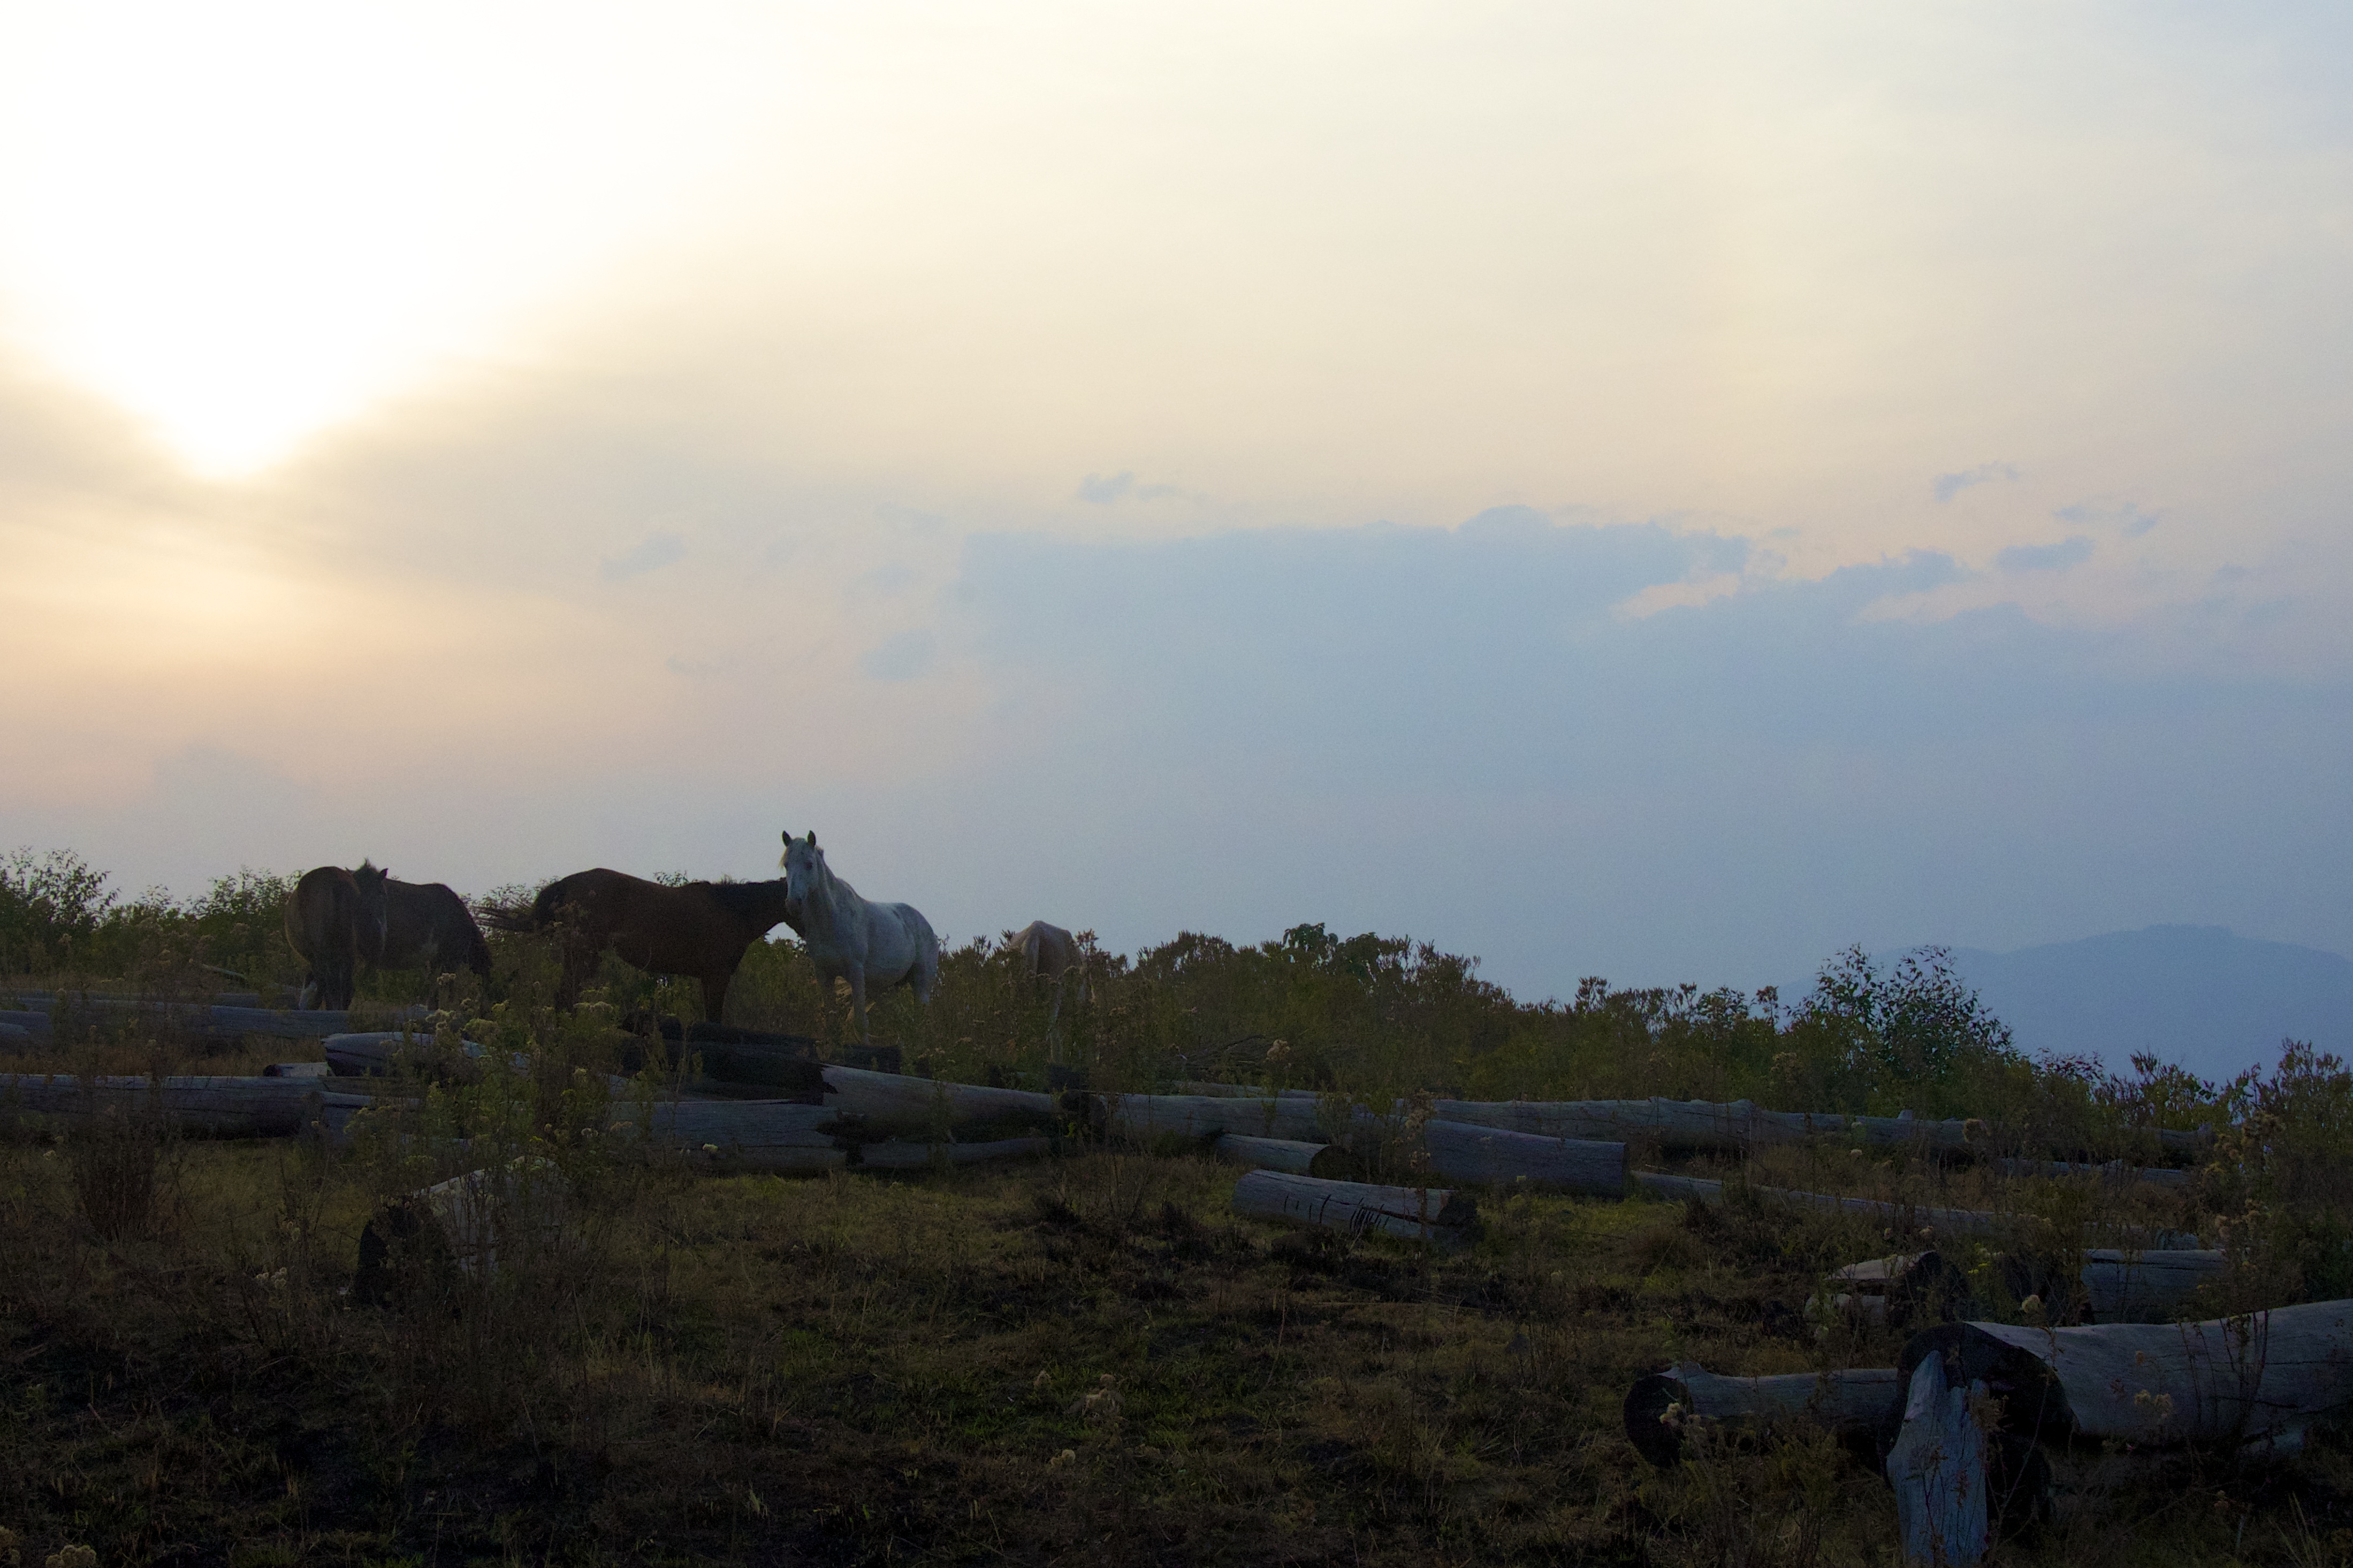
<point x="849" y="939"/>
<point x="1048" y="953"/>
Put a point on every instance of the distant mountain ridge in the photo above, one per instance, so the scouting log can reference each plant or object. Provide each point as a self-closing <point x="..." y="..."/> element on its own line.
<point x="2213" y="1001"/>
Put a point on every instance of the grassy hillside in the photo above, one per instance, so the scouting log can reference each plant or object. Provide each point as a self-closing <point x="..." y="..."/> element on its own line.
<point x="1086" y="1360"/>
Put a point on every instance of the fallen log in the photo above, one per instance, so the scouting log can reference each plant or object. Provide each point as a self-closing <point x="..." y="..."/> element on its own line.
<point x="2223" y="1382"/>
<point x="1460" y="1151"/>
<point x="15" y="1033"/>
<point x="193" y="1107"/>
<point x="1295" y="1155"/>
<point x="1140" y="1118"/>
<point x="2114" y="1170"/>
<point x="419" y="1246"/>
<point x="1242" y="1091"/>
<point x="1699" y="1123"/>
<point x="33" y="1026"/>
<point x="335" y="1112"/>
<point x="781" y="1136"/>
<point x="376" y="1053"/>
<point x="295" y="1069"/>
<point x="230" y="1023"/>
<point x="895" y="1155"/>
<point x="1661" y="1407"/>
<point x="888" y="1102"/>
<point x="1938" y="1221"/>
<point x="1419" y="1213"/>
<point x="1740" y="1124"/>
<point x="1912" y="1288"/>
<point x="1937" y="1467"/>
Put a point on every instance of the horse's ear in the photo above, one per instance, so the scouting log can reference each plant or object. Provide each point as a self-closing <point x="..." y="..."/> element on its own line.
<point x="812" y="837"/>
<point x="788" y="836"/>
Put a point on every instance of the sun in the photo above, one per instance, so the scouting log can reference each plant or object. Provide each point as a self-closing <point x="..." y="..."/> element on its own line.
<point x="247" y="222"/>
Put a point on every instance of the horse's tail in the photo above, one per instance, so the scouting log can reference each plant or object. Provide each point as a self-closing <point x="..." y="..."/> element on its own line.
<point x="541" y="915"/>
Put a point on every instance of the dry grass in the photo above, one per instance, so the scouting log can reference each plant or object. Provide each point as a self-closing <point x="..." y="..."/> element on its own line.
<point x="1086" y="1360"/>
<point x="850" y="1369"/>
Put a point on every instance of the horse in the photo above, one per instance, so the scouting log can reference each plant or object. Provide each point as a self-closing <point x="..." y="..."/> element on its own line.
<point x="697" y="929"/>
<point x="1048" y="953"/>
<point x="850" y="939"/>
<point x="331" y="917"/>
<point x="422" y="925"/>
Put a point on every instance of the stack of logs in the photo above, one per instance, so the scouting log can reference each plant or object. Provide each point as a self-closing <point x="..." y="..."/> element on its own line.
<point x="1975" y="1418"/>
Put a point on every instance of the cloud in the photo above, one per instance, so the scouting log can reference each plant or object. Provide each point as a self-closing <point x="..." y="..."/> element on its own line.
<point x="1103" y="490"/>
<point x="902" y="657"/>
<point x="2057" y="557"/>
<point x="2126" y="518"/>
<point x="657" y="552"/>
<point x="1460" y="732"/>
<point x="1945" y="486"/>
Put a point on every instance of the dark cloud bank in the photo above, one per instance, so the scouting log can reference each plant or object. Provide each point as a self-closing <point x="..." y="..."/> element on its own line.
<point x="1462" y="734"/>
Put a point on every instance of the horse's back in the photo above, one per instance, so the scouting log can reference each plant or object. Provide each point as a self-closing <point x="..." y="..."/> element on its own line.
<point x="429" y="921"/>
<point x="1046" y="950"/>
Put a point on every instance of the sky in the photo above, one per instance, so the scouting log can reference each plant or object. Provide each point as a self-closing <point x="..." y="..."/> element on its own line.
<point x="1661" y="492"/>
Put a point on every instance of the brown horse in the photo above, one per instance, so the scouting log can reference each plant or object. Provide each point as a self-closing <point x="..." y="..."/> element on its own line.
<point x="332" y="916"/>
<point x="424" y="925"/>
<point x="698" y="929"/>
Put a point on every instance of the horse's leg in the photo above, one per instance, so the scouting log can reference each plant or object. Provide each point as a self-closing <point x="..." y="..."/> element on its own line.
<point x="856" y="974"/>
<point x="714" y="994"/>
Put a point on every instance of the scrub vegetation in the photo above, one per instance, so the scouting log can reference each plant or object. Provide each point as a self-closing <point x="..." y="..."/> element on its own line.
<point x="1084" y="1360"/>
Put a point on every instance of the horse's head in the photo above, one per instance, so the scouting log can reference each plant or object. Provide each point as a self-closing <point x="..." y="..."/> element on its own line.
<point x="374" y="883"/>
<point x="803" y="865"/>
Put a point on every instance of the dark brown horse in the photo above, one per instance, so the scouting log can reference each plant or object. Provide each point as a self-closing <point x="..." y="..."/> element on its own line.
<point x="424" y="925"/>
<point x="333" y="916"/>
<point x="698" y="929"/>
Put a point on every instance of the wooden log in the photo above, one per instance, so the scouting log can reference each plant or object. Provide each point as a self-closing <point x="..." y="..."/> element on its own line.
<point x="378" y="1052"/>
<point x="1241" y="1091"/>
<point x="1700" y="1123"/>
<point x="16" y="1035"/>
<point x="1461" y="1152"/>
<point x="1140" y="1118"/>
<point x="1660" y="1407"/>
<point x="922" y="1107"/>
<point x="1940" y="1221"/>
<point x="1907" y="1288"/>
<point x="2113" y="1171"/>
<point x="1295" y="1155"/>
<point x="1730" y="1127"/>
<point x="896" y="1155"/>
<point x="193" y="1107"/>
<point x="336" y="1111"/>
<point x="772" y="1069"/>
<point x="781" y="1136"/>
<point x="233" y="1023"/>
<point x="2121" y="1287"/>
<point x="295" y="1069"/>
<point x="1939" y="1469"/>
<point x="34" y="1026"/>
<point x="465" y="1227"/>
<point x="2225" y="1381"/>
<point x="1419" y="1213"/>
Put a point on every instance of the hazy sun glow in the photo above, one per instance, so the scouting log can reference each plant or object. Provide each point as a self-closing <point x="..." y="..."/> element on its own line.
<point x="248" y="220"/>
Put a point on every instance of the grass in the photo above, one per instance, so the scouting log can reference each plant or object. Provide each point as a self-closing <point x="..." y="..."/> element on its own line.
<point x="1084" y="1360"/>
<point x="847" y="1369"/>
